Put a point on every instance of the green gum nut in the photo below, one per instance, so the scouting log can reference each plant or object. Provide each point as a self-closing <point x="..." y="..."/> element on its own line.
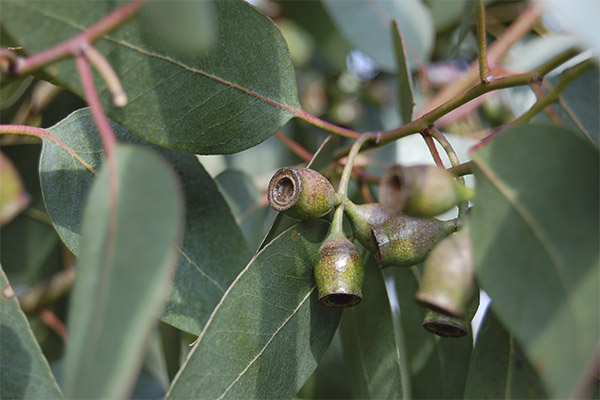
<point x="448" y="282"/>
<point x="447" y="326"/>
<point x="420" y="191"/>
<point x="404" y="241"/>
<point x="301" y="193"/>
<point x="339" y="272"/>
<point x="362" y="219"/>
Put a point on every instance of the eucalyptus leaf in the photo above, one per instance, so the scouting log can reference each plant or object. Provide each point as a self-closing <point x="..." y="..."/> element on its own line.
<point x="213" y="249"/>
<point x="24" y="371"/>
<point x="125" y="259"/>
<point x="370" y="351"/>
<point x="405" y="96"/>
<point x="269" y="331"/>
<point x="366" y="25"/>
<point x="499" y="368"/>
<point x="429" y="357"/>
<point x="228" y="98"/>
<point x="535" y="237"/>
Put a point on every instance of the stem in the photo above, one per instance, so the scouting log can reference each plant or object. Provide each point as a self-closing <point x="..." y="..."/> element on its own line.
<point x="54" y="323"/>
<point x="554" y="94"/>
<point x="484" y="74"/>
<point x="432" y="149"/>
<point x="108" y="74"/>
<point x="465" y="168"/>
<point x="345" y="178"/>
<point x="46" y="293"/>
<point x="463" y="206"/>
<point x="328" y="126"/>
<point x="295" y="147"/>
<point x="337" y="224"/>
<point x="42" y="134"/>
<point x="73" y="45"/>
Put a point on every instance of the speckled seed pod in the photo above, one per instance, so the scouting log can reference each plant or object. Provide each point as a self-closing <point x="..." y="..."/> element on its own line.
<point x="362" y="219"/>
<point x="448" y="282"/>
<point x="420" y="191"/>
<point x="301" y="193"/>
<point x="444" y="325"/>
<point x="404" y="241"/>
<point x="339" y="272"/>
<point x="448" y="326"/>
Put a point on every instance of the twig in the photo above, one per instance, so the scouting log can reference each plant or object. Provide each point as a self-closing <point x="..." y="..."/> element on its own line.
<point x="484" y="73"/>
<point x="46" y="293"/>
<point x="465" y="168"/>
<point x="295" y="147"/>
<point x="432" y="149"/>
<point x="54" y="323"/>
<point x="108" y="74"/>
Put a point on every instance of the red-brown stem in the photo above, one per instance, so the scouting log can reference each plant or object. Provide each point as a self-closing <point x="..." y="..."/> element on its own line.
<point x="295" y="147"/>
<point x="42" y="134"/>
<point x="54" y="323"/>
<point x="328" y="126"/>
<point x="73" y="45"/>
<point x="432" y="149"/>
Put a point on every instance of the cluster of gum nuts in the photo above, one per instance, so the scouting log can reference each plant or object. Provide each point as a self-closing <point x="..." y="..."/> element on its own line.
<point x="401" y="231"/>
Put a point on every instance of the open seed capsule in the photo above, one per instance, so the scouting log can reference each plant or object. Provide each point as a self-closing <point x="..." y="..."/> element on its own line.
<point x="301" y="193"/>
<point x="404" y="241"/>
<point x="339" y="272"/>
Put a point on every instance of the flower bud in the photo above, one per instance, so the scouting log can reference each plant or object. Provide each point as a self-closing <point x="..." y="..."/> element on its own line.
<point x="420" y="191"/>
<point x="362" y="219"/>
<point x="301" y="193"/>
<point x="448" y="282"/>
<point x="403" y="241"/>
<point x="339" y="272"/>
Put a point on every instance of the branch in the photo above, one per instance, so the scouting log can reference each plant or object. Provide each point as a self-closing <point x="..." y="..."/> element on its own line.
<point x="484" y="74"/>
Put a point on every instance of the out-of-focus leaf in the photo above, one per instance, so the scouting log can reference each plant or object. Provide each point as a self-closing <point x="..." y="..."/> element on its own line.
<point x="469" y="11"/>
<point x="535" y="237"/>
<point x="581" y="102"/>
<point x="446" y="12"/>
<point x="429" y="357"/>
<point x="13" y="198"/>
<point x="529" y="54"/>
<point x="244" y="201"/>
<point x="213" y="249"/>
<point x="123" y="273"/>
<point x="405" y="96"/>
<point x="269" y="331"/>
<point x="24" y="371"/>
<point x="223" y="100"/>
<point x="370" y="351"/>
<point x="366" y="24"/>
<point x="499" y="368"/>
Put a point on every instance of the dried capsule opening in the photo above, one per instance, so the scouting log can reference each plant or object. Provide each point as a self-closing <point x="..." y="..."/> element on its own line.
<point x="284" y="189"/>
<point x="446" y="328"/>
<point x="440" y="303"/>
<point x="393" y="192"/>
<point x="340" y="300"/>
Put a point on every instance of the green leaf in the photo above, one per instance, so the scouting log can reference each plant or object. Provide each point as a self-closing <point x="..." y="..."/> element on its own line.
<point x="445" y="13"/>
<point x="405" y="96"/>
<point x="246" y="203"/>
<point x="535" y="237"/>
<point x="429" y="357"/>
<point x="580" y="104"/>
<point x="370" y="351"/>
<point x="213" y="249"/>
<point x="366" y="24"/>
<point x="469" y="11"/>
<point x="269" y="331"/>
<point x="223" y="100"/>
<point x="122" y="273"/>
<point x="499" y="368"/>
<point x="24" y="371"/>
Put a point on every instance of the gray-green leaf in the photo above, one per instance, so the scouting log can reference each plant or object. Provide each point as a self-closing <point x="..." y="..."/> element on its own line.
<point x="125" y="259"/>
<point x="370" y="350"/>
<point x="535" y="238"/>
<point x="228" y="98"/>
<point x="269" y="331"/>
<point x="24" y="371"/>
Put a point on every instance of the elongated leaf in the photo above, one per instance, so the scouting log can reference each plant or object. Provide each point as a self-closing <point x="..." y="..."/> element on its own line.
<point x="405" y="96"/>
<point x="268" y="333"/>
<point x="366" y="24"/>
<point x="535" y="237"/>
<point x="469" y="10"/>
<point x="122" y="273"/>
<point x="370" y="351"/>
<point x="213" y="249"/>
<point x="24" y="371"/>
<point x="430" y="358"/>
<point x="223" y="100"/>
<point x="499" y="369"/>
